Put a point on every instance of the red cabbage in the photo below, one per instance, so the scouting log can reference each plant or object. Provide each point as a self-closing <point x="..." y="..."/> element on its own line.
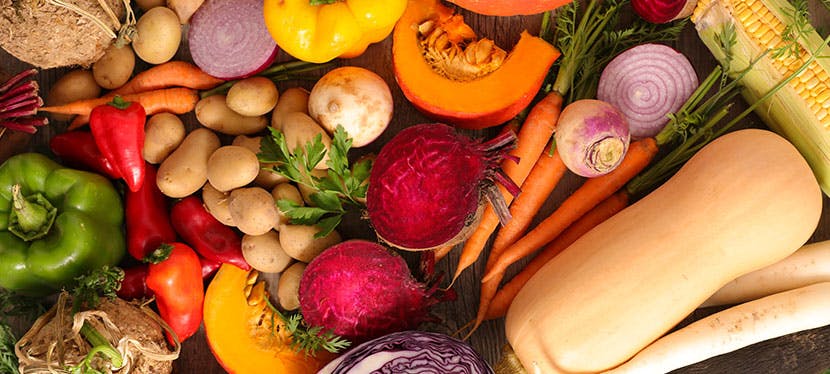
<point x="410" y="352"/>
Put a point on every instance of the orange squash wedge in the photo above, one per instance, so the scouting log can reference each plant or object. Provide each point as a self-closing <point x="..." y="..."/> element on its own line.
<point x="509" y="7"/>
<point x="244" y="334"/>
<point x="451" y="76"/>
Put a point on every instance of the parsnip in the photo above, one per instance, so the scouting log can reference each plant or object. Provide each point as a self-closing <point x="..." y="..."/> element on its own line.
<point x="808" y="265"/>
<point x="734" y="328"/>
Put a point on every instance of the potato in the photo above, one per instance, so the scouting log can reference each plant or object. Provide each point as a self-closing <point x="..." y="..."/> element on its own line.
<point x="264" y="252"/>
<point x="253" y="210"/>
<point x="354" y="97"/>
<point x="288" y="287"/>
<point x="300" y="129"/>
<point x="216" y="203"/>
<point x="306" y="191"/>
<point x="147" y="4"/>
<point x="294" y="99"/>
<point x="185" y="170"/>
<point x="265" y="179"/>
<point x="163" y="132"/>
<point x="213" y="113"/>
<point x="232" y="167"/>
<point x="114" y="68"/>
<point x="184" y="8"/>
<point x="253" y="96"/>
<point x="285" y="191"/>
<point x="298" y="241"/>
<point x="75" y="85"/>
<point x="158" y="35"/>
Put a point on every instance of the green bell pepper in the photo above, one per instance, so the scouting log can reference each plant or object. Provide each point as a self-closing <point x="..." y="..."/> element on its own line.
<point x="55" y="224"/>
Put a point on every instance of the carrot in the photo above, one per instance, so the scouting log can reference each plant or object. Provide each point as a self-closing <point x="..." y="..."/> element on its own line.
<point x="734" y="328"/>
<point x="442" y="252"/>
<point x="175" y="100"/>
<point x="169" y="74"/>
<point x="496" y="306"/>
<point x="539" y="184"/>
<point x="587" y="196"/>
<point x="532" y="137"/>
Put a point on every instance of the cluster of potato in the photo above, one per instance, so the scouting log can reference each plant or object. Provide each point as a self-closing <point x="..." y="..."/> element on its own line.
<point x="237" y="189"/>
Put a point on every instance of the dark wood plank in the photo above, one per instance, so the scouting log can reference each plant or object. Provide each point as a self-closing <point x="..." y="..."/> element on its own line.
<point x="806" y="352"/>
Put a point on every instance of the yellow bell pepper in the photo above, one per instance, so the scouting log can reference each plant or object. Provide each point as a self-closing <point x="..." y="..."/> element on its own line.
<point x="321" y="30"/>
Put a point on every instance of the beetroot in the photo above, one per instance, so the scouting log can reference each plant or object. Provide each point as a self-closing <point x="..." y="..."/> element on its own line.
<point x="360" y="291"/>
<point x="426" y="185"/>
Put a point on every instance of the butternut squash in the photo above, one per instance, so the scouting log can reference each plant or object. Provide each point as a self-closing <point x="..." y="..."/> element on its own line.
<point x="745" y="201"/>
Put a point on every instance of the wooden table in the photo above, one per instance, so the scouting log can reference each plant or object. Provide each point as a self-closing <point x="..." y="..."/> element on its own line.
<point x="806" y="352"/>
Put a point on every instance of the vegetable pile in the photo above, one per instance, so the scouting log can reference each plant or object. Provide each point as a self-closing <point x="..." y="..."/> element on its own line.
<point x="244" y="169"/>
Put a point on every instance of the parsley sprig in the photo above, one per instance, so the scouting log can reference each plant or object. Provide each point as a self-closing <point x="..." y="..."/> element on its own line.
<point x="309" y="339"/>
<point x="344" y="186"/>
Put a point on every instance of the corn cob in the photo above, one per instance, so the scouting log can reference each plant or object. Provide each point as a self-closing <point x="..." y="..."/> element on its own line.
<point x="768" y="37"/>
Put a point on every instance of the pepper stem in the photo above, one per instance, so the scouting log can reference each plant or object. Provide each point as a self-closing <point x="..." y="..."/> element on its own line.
<point x="31" y="217"/>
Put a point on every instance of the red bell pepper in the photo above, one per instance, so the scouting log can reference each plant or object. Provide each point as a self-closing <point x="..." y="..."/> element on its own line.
<point x="211" y="238"/>
<point x="118" y="129"/>
<point x="78" y="149"/>
<point x="176" y="281"/>
<point x="148" y="221"/>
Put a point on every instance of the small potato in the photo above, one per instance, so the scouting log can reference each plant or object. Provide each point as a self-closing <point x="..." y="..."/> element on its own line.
<point x="185" y="170"/>
<point x="163" y="132"/>
<point x="300" y="129"/>
<point x="114" y="68"/>
<point x="288" y="287"/>
<point x="253" y="96"/>
<point x="299" y="241"/>
<point x="231" y="167"/>
<point x="354" y="97"/>
<point x="75" y="85"/>
<point x="147" y="4"/>
<point x="294" y="99"/>
<point x="265" y="179"/>
<point x="306" y="191"/>
<point x="213" y="113"/>
<point x="159" y="35"/>
<point x="264" y="252"/>
<point x="253" y="210"/>
<point x="285" y="191"/>
<point x="216" y="203"/>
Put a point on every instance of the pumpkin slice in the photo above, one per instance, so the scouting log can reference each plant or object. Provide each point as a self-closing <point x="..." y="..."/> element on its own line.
<point x="509" y="7"/>
<point x="450" y="75"/>
<point x="243" y="332"/>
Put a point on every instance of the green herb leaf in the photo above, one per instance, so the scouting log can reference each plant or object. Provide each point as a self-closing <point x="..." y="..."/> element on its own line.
<point x="101" y="282"/>
<point x="8" y="359"/>
<point x="342" y="186"/>
<point x="309" y="339"/>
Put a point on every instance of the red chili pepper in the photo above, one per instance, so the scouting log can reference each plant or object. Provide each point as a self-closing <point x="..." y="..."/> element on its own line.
<point x="209" y="267"/>
<point x="78" y="149"/>
<point x="148" y="221"/>
<point x="180" y="293"/>
<point x="118" y="128"/>
<point x="211" y="238"/>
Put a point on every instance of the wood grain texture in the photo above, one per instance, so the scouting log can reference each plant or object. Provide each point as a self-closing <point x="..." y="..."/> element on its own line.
<point x="807" y="352"/>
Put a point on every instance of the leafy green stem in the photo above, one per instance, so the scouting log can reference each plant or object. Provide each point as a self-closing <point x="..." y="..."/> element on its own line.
<point x="279" y="72"/>
<point x="100" y="345"/>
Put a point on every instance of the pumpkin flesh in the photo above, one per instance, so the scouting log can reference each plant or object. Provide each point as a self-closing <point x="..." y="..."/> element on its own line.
<point x="453" y="77"/>
<point x="242" y="331"/>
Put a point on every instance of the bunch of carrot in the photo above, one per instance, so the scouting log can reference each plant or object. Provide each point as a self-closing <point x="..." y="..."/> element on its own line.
<point x="168" y="87"/>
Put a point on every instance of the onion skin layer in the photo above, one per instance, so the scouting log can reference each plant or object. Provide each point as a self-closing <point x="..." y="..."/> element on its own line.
<point x="646" y="83"/>
<point x="592" y="137"/>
